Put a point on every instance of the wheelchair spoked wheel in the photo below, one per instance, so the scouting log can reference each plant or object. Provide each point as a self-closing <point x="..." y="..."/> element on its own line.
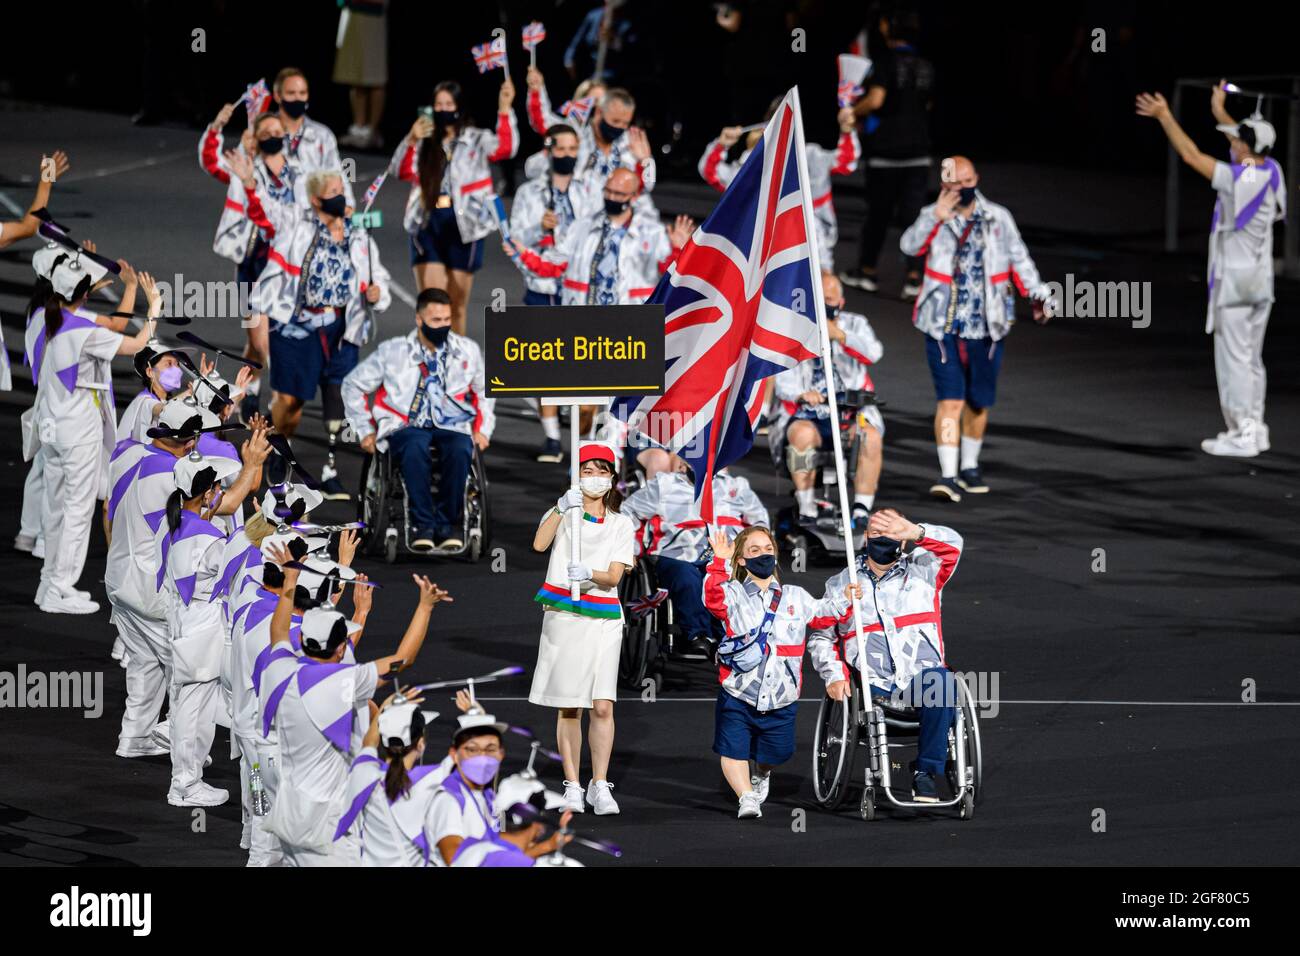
<point x="634" y="658"/>
<point x="477" y="525"/>
<point x="834" y="747"/>
<point x="372" y="505"/>
<point x="974" y="750"/>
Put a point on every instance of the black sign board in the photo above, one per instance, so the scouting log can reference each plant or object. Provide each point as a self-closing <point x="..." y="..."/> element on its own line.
<point x="574" y="350"/>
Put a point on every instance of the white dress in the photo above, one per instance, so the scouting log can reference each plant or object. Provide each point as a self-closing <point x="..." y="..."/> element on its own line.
<point x="577" y="662"/>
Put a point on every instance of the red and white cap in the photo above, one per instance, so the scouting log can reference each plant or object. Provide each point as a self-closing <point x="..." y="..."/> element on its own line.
<point x="597" y="451"/>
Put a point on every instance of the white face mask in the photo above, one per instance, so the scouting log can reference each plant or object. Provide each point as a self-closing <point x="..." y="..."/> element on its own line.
<point x="596" y="486"/>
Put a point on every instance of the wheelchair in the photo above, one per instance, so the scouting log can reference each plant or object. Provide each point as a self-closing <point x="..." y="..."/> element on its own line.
<point x="382" y="507"/>
<point x="850" y="735"/>
<point x="821" y="538"/>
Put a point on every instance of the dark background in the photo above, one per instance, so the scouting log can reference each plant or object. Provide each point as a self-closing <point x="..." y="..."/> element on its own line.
<point x="1015" y="80"/>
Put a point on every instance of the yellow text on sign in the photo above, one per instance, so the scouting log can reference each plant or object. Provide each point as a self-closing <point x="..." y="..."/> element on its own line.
<point x="581" y="348"/>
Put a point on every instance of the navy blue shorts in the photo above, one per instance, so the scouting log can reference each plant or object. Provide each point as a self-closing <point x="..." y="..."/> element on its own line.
<point x="965" y="369"/>
<point x="541" y="298"/>
<point x="251" y="268"/>
<point x="742" y="733"/>
<point x="439" y="241"/>
<point x="300" y="366"/>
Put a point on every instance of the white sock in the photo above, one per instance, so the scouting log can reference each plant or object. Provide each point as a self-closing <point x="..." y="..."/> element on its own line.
<point x="551" y="426"/>
<point x="970" y="452"/>
<point x="865" y="500"/>
<point x="948" y="461"/>
<point x="807" y="504"/>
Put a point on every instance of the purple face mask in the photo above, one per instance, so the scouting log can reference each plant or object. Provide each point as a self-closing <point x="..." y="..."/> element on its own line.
<point x="170" y="378"/>
<point x="480" y="770"/>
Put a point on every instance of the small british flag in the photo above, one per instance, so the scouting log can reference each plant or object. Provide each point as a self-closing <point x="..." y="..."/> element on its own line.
<point x="534" y="33"/>
<point x="490" y="55"/>
<point x="255" y="97"/>
<point x="643" y="606"/>
<point x="577" y="110"/>
<point x="848" y="93"/>
<point x="372" y="191"/>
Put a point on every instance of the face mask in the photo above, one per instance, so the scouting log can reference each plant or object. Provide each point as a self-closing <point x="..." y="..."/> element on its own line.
<point x="596" y="486"/>
<point x="271" y="145"/>
<point x="436" y="335"/>
<point x="967" y="195"/>
<point x="609" y="133"/>
<point x="334" y="206"/>
<point x="563" y="165"/>
<point x="615" y="208"/>
<point x="445" y="117"/>
<point x="832" y="311"/>
<point x="761" y="566"/>
<point x="480" y="769"/>
<point x="294" y="108"/>
<point x="883" y="550"/>
<point x="170" y="378"/>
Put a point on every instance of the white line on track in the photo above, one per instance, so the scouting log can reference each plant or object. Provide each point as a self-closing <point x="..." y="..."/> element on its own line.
<point x="401" y="293"/>
<point x="125" y="167"/>
<point x="1042" y="703"/>
<point x="13" y="207"/>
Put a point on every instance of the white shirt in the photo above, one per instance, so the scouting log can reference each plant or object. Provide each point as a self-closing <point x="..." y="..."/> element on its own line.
<point x="447" y="819"/>
<point x="77" y="418"/>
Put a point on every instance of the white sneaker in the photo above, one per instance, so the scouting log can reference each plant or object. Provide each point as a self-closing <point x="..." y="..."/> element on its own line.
<point x="750" y="806"/>
<point x="146" y="748"/>
<point x="573" y="797"/>
<point x="910" y="291"/>
<point x="1243" y="444"/>
<point x="599" y="796"/>
<point x="760" y="783"/>
<point x="24" y="542"/>
<point x="200" y="795"/>
<point x="43" y="589"/>
<point x="859" y="280"/>
<point x="162" y="734"/>
<point x="56" y="603"/>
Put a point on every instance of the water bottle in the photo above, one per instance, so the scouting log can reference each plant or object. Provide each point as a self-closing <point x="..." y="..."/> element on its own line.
<point x="257" y="792"/>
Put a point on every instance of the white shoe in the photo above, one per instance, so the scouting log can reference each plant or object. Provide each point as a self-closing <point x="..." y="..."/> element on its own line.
<point x="1243" y="444"/>
<point x="162" y="734"/>
<point x="573" y="797"/>
<point x="38" y="549"/>
<point x="760" y="783"/>
<point x="599" y="796"/>
<point x="750" y="806"/>
<point x="147" y="748"/>
<point x="1261" y="437"/>
<point x="859" y="280"/>
<point x="56" y="603"/>
<point x="24" y="542"/>
<point x="200" y="795"/>
<point x="910" y="291"/>
<point x="43" y="589"/>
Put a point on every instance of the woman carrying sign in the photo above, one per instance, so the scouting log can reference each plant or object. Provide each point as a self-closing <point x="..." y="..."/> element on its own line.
<point x="577" y="663"/>
<point x="760" y="663"/>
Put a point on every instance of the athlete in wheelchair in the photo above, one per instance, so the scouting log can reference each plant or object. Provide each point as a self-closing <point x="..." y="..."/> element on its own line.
<point x="902" y="573"/>
<point x="429" y="401"/>
<point x="674" y="553"/>
<point x="800" y="436"/>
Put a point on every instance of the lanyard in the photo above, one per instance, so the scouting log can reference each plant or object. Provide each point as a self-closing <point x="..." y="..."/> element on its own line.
<point x="488" y="827"/>
<point x="956" y="266"/>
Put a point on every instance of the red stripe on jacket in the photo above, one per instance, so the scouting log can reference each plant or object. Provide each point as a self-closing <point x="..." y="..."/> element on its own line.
<point x="844" y="156"/>
<point x="536" y="119"/>
<point x="505" y="142"/>
<point x="209" y="156"/>
<point x="711" y="167"/>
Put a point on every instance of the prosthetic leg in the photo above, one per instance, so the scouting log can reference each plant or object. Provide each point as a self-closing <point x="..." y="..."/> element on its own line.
<point x="335" y="419"/>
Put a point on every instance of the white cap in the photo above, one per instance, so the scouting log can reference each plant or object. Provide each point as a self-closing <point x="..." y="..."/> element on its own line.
<point x="283" y="541"/>
<point x="65" y="268"/>
<point x="321" y="625"/>
<point x="1261" y="131"/>
<point x="475" y="721"/>
<point x="526" y="789"/>
<point x="43" y="259"/>
<point x="398" y="721"/>
<point x="196" y="473"/>
<point x="206" y="392"/>
<point x="288" y="497"/>
<point x="179" y="414"/>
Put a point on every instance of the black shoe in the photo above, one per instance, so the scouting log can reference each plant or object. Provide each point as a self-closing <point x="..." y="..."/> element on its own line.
<point x="552" y="451"/>
<point x="703" y="645"/>
<point x="971" y="480"/>
<point x="332" y="489"/>
<point x="923" y="788"/>
<point x="946" y="488"/>
<point x="861" y="516"/>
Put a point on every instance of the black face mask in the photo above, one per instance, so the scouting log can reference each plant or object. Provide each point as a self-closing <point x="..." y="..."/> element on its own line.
<point x="563" y="165"/>
<point x="883" y="550"/>
<point x="334" y="206"/>
<point x="967" y="195"/>
<point x="445" y="117"/>
<point x="609" y="133"/>
<point x="271" y="145"/>
<point x="614" y="207"/>
<point x="293" y="108"/>
<point x="832" y="311"/>
<point x="761" y="566"/>
<point x="435" y="335"/>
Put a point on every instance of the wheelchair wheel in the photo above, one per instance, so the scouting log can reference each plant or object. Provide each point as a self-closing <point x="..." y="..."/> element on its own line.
<point x="372" y="505"/>
<point x="477" y="529"/>
<point x="834" y="747"/>
<point x="973" y="744"/>
<point x="634" y="659"/>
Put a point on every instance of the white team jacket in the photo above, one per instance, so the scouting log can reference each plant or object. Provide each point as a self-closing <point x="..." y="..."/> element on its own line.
<point x="644" y="254"/>
<point x="292" y="229"/>
<point x="467" y="176"/>
<point x="1006" y="259"/>
<point x="822" y="163"/>
<point x="532" y="200"/>
<point x="392" y="373"/>
<point x="903" y="608"/>
<point x="593" y="166"/>
<point x="236" y="232"/>
<point x="673" y="527"/>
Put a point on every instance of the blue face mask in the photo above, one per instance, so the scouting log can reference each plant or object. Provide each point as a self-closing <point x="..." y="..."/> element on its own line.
<point x="883" y="550"/>
<point x="967" y="195"/>
<point x="761" y="565"/>
<point x="435" y="335"/>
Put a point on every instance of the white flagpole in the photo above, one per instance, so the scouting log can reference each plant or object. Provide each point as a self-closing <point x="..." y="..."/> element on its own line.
<point x="575" y="519"/>
<point x="819" y="304"/>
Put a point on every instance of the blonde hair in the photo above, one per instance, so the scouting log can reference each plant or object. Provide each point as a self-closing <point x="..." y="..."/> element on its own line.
<point x="738" y="571"/>
<point x="318" y="179"/>
<point x="257" y="529"/>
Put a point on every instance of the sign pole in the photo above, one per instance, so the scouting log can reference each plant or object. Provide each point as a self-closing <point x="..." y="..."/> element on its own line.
<point x="575" y="522"/>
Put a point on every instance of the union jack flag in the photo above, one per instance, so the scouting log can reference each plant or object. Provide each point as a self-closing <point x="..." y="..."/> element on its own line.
<point x="490" y="55"/>
<point x="741" y="303"/>
<point x="255" y="97"/>
<point x="534" y="33"/>
<point x="848" y="93"/>
<point x="372" y="191"/>
<point x="577" y="110"/>
<point x="644" y="605"/>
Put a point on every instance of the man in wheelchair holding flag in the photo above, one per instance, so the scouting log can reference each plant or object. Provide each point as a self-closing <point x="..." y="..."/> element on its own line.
<point x="429" y="391"/>
<point x="903" y="633"/>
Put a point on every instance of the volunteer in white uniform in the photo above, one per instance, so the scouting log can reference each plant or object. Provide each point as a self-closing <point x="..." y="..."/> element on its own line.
<point x="74" y="421"/>
<point x="462" y="808"/>
<point x="1251" y="197"/>
<point x="311" y="702"/>
<point x="577" y="662"/>
<point x="161" y="374"/>
<point x="517" y="842"/>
